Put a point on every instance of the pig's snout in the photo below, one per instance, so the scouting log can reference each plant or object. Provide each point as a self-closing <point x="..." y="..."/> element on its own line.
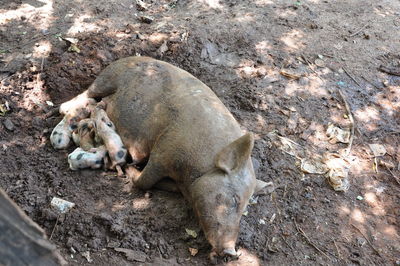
<point x="230" y="252"/>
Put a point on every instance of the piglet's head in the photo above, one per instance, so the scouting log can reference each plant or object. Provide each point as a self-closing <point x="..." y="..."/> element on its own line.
<point x="221" y="195"/>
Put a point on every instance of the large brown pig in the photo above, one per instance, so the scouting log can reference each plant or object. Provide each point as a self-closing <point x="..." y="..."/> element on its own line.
<point x="168" y="117"/>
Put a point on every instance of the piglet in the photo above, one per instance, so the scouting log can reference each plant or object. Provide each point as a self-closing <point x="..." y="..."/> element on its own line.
<point x="94" y="158"/>
<point x="84" y="135"/>
<point x="105" y="130"/>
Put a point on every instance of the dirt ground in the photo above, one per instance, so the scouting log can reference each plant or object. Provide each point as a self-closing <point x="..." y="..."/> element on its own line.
<point x="277" y="65"/>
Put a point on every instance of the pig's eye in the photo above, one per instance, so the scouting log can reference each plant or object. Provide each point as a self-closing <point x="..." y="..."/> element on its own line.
<point x="235" y="203"/>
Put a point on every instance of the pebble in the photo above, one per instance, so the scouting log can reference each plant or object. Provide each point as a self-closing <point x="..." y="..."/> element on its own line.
<point x="9" y="125"/>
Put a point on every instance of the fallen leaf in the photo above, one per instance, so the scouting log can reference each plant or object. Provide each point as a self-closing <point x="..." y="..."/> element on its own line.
<point x="336" y="134"/>
<point x="289" y="75"/>
<point x="3" y="109"/>
<point x="377" y="149"/>
<point x="163" y="48"/>
<point x="193" y="251"/>
<point x="86" y="255"/>
<point x="74" y="48"/>
<point x="310" y="166"/>
<point x="192" y="233"/>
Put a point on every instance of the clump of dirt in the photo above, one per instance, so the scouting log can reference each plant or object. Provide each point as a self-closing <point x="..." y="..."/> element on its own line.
<point x="240" y="49"/>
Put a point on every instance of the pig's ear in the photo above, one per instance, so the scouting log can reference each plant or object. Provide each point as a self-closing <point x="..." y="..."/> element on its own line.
<point x="234" y="156"/>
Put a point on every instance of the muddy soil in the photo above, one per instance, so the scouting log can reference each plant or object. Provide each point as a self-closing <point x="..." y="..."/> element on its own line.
<point x="277" y="65"/>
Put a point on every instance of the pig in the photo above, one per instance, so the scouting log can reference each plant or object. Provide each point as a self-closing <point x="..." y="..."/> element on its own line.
<point x="172" y="120"/>
<point x="80" y="159"/>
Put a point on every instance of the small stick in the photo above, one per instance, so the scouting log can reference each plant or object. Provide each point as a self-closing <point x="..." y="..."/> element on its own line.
<point x="372" y="246"/>
<point x="389" y="70"/>
<point x="394" y="176"/>
<point x="41" y="65"/>
<point x="370" y="82"/>
<point x="337" y="249"/>
<point x="310" y="66"/>
<point x="357" y="32"/>
<point x="54" y="228"/>
<point x="348" y="74"/>
<point x="309" y="241"/>
<point x="346" y="105"/>
<point x="284" y="240"/>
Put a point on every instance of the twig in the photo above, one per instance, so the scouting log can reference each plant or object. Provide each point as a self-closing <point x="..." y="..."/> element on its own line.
<point x="41" y="65"/>
<point x="337" y="249"/>
<point x="310" y="66"/>
<point x="394" y="176"/>
<point x="309" y="241"/>
<point x="51" y="113"/>
<point x="346" y="105"/>
<point x="390" y="70"/>
<point x="369" y="242"/>
<point x="348" y="74"/>
<point x="54" y="228"/>
<point x="291" y="248"/>
<point x="370" y="82"/>
<point x="358" y="31"/>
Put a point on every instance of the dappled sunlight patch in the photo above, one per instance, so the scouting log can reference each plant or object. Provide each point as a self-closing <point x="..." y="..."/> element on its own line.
<point x="293" y="40"/>
<point x="118" y="206"/>
<point x="82" y="24"/>
<point x="287" y="13"/>
<point x="358" y="216"/>
<point x="260" y="123"/>
<point x="100" y="205"/>
<point x="391" y="106"/>
<point x="360" y="166"/>
<point x="382" y="12"/>
<point x="313" y="1"/>
<point x="263" y="47"/>
<point x="344" y="210"/>
<point x="390" y="231"/>
<point x="264" y="2"/>
<point x="157" y="37"/>
<point x="141" y="203"/>
<point x="246" y="17"/>
<point x="211" y="3"/>
<point x="367" y="115"/>
<point x="42" y="49"/>
<point x="28" y="11"/>
<point x="372" y="200"/>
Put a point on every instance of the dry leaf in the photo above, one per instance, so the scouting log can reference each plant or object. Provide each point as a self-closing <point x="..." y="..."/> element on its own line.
<point x="377" y="149"/>
<point x="193" y="251"/>
<point x="192" y="233"/>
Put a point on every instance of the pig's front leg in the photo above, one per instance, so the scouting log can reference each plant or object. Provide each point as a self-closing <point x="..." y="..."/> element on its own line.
<point x="151" y="175"/>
